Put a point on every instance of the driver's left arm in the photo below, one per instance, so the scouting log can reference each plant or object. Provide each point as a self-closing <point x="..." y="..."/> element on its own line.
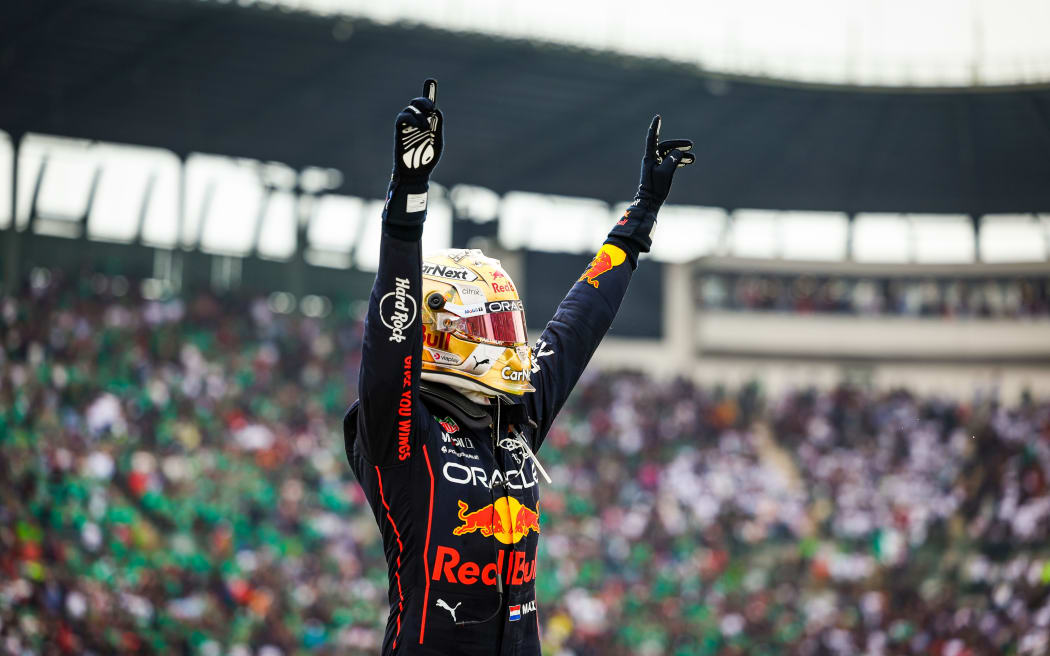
<point x="583" y="317"/>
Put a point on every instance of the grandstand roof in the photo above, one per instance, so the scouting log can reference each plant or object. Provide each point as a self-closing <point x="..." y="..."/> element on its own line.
<point x="313" y="90"/>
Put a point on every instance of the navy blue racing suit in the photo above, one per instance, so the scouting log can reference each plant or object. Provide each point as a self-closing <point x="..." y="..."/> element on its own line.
<point x="443" y="475"/>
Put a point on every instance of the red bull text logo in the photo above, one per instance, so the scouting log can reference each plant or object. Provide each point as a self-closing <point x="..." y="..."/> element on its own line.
<point x="438" y="340"/>
<point x="608" y="257"/>
<point x="450" y="566"/>
<point x="503" y="288"/>
<point x="506" y="519"/>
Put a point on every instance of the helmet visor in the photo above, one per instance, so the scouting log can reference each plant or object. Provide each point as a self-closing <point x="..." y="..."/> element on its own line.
<point x="503" y="327"/>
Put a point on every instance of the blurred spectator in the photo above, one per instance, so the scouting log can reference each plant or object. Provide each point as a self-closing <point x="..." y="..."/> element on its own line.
<point x="172" y="480"/>
<point x="1004" y="299"/>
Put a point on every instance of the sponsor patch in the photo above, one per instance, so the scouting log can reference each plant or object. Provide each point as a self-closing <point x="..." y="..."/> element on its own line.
<point x="505" y="519"/>
<point x="441" y="603"/>
<point x="460" y="454"/>
<point x="515" y="375"/>
<point x="449" y="424"/>
<point x="476" y="363"/>
<point x="397" y="309"/>
<point x="517" y="611"/>
<point x="404" y="410"/>
<point x="516" y="479"/>
<point x="482" y="358"/>
<point x="503" y="287"/>
<point x="449" y="272"/>
<point x="505" y="306"/>
<point x="444" y="357"/>
<point x="607" y="258"/>
<point x="470" y="294"/>
<point x="436" y="339"/>
<point x="449" y="566"/>
<point x="457" y="441"/>
<point x="541" y="351"/>
<point x="415" y="202"/>
<point x="465" y="310"/>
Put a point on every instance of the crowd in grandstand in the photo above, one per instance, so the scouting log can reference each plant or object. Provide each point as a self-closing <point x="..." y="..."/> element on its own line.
<point x="172" y="481"/>
<point x="951" y="298"/>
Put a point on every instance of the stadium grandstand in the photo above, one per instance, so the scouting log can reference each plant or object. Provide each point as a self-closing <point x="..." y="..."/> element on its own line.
<point x="820" y="423"/>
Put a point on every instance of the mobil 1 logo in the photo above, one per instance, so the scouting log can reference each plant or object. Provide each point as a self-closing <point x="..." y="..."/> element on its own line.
<point x="397" y="310"/>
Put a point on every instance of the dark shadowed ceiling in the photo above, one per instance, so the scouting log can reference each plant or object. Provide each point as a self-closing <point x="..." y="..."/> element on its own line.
<point x="307" y="90"/>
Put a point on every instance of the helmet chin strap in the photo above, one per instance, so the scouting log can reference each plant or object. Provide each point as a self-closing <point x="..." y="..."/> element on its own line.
<point x="477" y="397"/>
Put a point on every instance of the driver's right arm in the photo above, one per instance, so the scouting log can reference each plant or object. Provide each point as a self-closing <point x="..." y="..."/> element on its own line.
<point x="389" y="377"/>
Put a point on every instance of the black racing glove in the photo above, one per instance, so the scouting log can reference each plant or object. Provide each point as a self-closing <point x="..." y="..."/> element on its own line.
<point x="634" y="231"/>
<point x="417" y="148"/>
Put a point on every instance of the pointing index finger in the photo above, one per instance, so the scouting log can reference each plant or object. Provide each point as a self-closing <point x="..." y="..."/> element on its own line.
<point x="653" y="138"/>
<point x="430" y="88"/>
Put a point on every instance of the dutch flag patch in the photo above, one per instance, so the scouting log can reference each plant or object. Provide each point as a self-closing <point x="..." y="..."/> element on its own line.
<point x="515" y="613"/>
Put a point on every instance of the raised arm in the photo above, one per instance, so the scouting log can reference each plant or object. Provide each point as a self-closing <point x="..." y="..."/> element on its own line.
<point x="584" y="316"/>
<point x="389" y="378"/>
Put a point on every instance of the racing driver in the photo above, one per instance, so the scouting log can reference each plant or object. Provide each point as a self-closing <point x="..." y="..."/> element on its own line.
<point x="454" y="405"/>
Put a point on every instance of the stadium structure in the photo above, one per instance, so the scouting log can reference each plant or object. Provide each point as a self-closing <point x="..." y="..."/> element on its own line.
<point x="197" y="143"/>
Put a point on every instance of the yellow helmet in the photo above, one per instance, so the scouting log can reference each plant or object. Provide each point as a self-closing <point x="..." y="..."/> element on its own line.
<point x="473" y="325"/>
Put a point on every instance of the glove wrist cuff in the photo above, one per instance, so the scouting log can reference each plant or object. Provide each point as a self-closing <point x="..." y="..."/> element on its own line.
<point x="406" y="203"/>
<point x="629" y="247"/>
<point x="646" y="201"/>
<point x="636" y="227"/>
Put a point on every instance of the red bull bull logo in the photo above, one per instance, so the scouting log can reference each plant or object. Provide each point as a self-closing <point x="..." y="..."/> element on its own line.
<point x="506" y="519"/>
<point x="608" y="256"/>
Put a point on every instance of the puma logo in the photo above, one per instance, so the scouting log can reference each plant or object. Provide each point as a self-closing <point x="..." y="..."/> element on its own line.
<point x="477" y="363"/>
<point x="451" y="609"/>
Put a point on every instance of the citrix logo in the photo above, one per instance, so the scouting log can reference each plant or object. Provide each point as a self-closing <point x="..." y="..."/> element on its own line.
<point x="397" y="309"/>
